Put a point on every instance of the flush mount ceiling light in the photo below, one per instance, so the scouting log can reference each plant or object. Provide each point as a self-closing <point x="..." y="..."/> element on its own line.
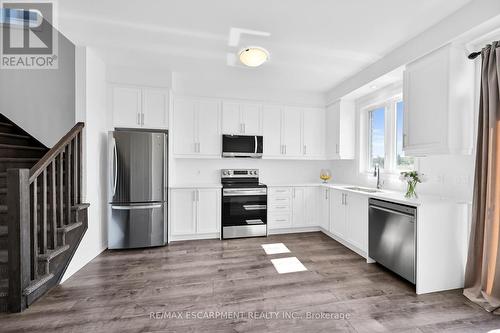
<point x="253" y="56"/>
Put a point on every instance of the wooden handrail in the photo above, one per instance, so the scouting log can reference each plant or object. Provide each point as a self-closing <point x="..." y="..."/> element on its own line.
<point x="47" y="159"/>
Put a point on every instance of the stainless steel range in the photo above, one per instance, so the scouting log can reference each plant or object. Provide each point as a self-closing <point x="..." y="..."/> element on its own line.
<point x="244" y="204"/>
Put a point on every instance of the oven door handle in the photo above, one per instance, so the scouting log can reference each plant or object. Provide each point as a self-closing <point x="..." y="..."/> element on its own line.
<point x="255" y="207"/>
<point x="255" y="221"/>
<point x="240" y="192"/>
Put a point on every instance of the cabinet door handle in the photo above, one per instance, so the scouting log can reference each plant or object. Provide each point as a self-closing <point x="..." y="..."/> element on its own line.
<point x="244" y="128"/>
<point x="199" y="147"/>
<point x="284" y="147"/>
<point x="138" y="119"/>
<point x="404" y="140"/>
<point x="326" y="194"/>
<point x="142" y="118"/>
<point x="305" y="150"/>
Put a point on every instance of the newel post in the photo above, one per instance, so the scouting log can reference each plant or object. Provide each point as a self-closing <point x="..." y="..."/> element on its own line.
<point x="18" y="203"/>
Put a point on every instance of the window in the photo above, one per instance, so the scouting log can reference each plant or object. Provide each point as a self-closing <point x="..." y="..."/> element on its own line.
<point x="382" y="136"/>
<point x="403" y="162"/>
<point x="376" y="146"/>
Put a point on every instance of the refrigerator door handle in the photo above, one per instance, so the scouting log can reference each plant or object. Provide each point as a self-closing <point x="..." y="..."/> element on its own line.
<point x="136" y="207"/>
<point x="115" y="171"/>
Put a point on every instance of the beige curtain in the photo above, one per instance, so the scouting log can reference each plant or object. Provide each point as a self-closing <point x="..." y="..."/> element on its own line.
<point x="482" y="278"/>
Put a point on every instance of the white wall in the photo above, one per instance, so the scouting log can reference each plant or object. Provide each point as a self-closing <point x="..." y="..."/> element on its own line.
<point x="239" y="86"/>
<point x="140" y="77"/>
<point x="91" y="108"/>
<point x="42" y="102"/>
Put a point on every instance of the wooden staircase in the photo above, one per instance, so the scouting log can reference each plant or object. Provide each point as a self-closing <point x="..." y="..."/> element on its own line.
<point x="42" y="218"/>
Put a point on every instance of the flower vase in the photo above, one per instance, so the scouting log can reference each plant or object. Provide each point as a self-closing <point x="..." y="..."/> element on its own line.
<point x="411" y="190"/>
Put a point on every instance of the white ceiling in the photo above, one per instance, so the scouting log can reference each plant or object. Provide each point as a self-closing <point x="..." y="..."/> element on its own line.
<point x="314" y="45"/>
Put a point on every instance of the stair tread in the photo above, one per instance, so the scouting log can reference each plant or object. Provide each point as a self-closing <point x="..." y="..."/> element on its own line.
<point x="13" y="135"/>
<point x="19" y="159"/>
<point x="4" y="256"/>
<point x="4" y="230"/>
<point x="51" y="254"/>
<point x="37" y="283"/>
<point x="3" y="208"/>
<point x="4" y="145"/>
<point x="69" y="227"/>
<point x="6" y="124"/>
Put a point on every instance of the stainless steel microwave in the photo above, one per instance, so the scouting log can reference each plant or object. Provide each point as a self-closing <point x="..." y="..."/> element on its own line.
<point x="242" y="146"/>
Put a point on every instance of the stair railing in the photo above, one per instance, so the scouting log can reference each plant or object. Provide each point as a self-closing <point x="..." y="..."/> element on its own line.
<point x="40" y="200"/>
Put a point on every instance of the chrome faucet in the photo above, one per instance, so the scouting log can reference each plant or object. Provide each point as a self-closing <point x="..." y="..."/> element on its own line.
<point x="376" y="173"/>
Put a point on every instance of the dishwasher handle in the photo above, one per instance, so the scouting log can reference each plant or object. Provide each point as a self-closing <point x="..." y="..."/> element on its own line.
<point x="390" y="211"/>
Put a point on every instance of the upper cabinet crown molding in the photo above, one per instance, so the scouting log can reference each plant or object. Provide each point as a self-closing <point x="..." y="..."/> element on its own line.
<point x="439" y="103"/>
<point x="139" y="107"/>
<point x="340" y="127"/>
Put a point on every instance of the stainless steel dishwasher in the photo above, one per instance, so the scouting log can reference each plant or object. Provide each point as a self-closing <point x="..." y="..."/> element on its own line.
<point x="392" y="237"/>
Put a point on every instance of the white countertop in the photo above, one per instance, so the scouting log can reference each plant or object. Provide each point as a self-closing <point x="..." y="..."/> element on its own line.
<point x="192" y="185"/>
<point x="382" y="194"/>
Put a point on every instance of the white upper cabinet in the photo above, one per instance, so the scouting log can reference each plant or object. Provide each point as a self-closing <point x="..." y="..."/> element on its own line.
<point x="139" y="107"/>
<point x="154" y="107"/>
<point x="439" y="103"/>
<point x="313" y="145"/>
<point x="196" y="127"/>
<point x="126" y="105"/>
<point x="209" y="136"/>
<point x="293" y="132"/>
<point x="272" y="130"/>
<point x="340" y="130"/>
<point x="251" y="117"/>
<point x="241" y="118"/>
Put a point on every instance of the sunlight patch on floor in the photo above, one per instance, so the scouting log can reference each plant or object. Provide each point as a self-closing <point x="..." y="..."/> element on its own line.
<point x="276" y="248"/>
<point x="288" y="265"/>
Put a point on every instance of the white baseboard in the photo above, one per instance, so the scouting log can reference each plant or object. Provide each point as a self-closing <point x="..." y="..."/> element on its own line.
<point x="292" y="230"/>
<point x="177" y="238"/>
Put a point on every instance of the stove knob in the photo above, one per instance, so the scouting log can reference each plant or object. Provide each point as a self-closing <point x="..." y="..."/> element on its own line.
<point x="224" y="173"/>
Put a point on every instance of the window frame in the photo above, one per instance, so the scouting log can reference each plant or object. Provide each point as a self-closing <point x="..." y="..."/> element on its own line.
<point x="388" y="101"/>
<point x="369" y="146"/>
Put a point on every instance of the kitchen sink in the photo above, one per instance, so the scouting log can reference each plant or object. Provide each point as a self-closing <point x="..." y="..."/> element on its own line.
<point x="362" y="189"/>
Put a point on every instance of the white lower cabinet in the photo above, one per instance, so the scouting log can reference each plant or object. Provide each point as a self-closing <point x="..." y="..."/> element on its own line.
<point x="195" y="213"/>
<point x="337" y="213"/>
<point x="292" y="207"/>
<point x="323" y="216"/>
<point x="349" y="218"/>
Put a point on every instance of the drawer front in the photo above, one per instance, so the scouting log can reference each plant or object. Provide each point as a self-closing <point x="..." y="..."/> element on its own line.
<point x="281" y="191"/>
<point x="279" y="221"/>
<point x="279" y="200"/>
<point x="279" y="209"/>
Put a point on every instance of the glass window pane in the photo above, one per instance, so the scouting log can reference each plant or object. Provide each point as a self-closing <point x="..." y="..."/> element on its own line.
<point x="377" y="137"/>
<point x="402" y="162"/>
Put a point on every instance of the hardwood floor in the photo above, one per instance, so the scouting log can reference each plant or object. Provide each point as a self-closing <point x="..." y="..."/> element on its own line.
<point x="119" y="290"/>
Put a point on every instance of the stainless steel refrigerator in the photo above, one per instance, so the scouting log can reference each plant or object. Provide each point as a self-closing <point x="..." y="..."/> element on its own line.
<point x="137" y="189"/>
